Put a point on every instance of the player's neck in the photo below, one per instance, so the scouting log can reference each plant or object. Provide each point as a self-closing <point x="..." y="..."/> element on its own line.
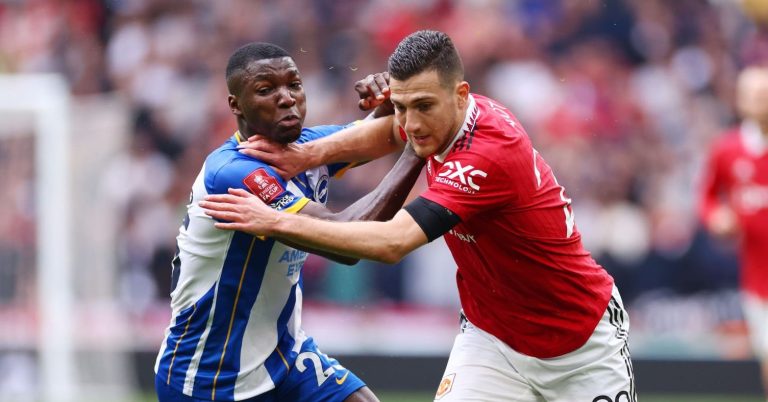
<point x="242" y="129"/>
<point x="459" y="121"/>
<point x="460" y="118"/>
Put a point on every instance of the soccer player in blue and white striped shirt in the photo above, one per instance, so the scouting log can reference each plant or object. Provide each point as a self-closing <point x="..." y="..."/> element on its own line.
<point x="235" y="332"/>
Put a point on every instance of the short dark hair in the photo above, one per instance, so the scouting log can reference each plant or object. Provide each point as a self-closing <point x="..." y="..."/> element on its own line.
<point x="423" y="51"/>
<point x="249" y="53"/>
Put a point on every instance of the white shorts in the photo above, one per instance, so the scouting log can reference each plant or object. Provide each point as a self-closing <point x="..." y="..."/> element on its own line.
<point x="756" y="316"/>
<point x="483" y="368"/>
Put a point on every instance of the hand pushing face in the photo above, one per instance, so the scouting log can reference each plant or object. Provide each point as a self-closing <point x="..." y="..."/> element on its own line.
<point x="270" y="100"/>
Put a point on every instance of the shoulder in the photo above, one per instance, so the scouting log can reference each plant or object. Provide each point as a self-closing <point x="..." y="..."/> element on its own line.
<point x="228" y="168"/>
<point x="495" y="128"/>
<point x="727" y="142"/>
<point x="731" y="136"/>
<point x="492" y="143"/>
<point x="493" y="114"/>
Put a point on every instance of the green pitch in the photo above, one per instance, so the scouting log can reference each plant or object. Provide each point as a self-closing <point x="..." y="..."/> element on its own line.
<point x="392" y="397"/>
<point x="426" y="397"/>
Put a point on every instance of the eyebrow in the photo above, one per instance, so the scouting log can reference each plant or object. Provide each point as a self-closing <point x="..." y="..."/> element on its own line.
<point x="266" y="74"/>
<point x="417" y="100"/>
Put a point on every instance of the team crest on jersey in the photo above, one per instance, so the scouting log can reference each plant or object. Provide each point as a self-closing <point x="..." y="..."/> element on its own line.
<point x="446" y="385"/>
<point x="321" y="189"/>
<point x="263" y="185"/>
<point x="459" y="176"/>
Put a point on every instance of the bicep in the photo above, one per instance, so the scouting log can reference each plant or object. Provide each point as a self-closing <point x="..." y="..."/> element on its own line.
<point x="408" y="232"/>
<point x="434" y="219"/>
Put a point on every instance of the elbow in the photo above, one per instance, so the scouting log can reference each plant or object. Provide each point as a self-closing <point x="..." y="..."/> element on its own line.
<point x="392" y="253"/>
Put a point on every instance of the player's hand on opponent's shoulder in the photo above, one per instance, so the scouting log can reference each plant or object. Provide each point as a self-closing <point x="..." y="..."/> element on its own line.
<point x="374" y="93"/>
<point x="288" y="160"/>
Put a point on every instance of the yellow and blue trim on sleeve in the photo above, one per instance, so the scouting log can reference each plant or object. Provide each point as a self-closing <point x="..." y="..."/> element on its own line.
<point x="296" y="207"/>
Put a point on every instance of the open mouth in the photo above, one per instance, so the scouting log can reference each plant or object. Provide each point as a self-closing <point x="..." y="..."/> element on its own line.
<point x="420" y="139"/>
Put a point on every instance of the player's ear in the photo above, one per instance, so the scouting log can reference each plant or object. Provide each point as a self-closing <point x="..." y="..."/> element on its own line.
<point x="234" y="106"/>
<point x="462" y="93"/>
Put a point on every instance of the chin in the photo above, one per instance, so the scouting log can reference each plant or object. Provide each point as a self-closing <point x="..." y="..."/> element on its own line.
<point x="423" y="152"/>
<point x="289" y="135"/>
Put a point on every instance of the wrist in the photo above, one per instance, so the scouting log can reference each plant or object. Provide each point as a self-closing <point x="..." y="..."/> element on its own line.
<point x="312" y="155"/>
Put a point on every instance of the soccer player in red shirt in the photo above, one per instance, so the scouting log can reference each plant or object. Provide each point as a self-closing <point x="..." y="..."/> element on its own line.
<point x="734" y="200"/>
<point x="542" y="321"/>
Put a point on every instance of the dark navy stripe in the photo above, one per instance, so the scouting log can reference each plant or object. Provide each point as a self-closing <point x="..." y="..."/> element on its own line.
<point x="211" y="361"/>
<point x="172" y="340"/>
<point x="187" y="343"/>
<point x="248" y="293"/>
<point x="275" y="365"/>
<point x="302" y="182"/>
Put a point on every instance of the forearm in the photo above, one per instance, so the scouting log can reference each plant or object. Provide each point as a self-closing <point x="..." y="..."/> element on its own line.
<point x="388" y="197"/>
<point x="340" y="258"/>
<point x="362" y="142"/>
<point x="386" y="242"/>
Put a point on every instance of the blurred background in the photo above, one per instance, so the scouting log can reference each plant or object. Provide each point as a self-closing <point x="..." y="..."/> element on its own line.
<point x="622" y="98"/>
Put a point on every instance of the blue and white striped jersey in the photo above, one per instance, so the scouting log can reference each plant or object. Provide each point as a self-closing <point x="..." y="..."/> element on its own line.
<point x="236" y="298"/>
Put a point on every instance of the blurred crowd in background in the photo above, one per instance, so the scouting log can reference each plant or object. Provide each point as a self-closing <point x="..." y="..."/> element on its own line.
<point x="622" y="97"/>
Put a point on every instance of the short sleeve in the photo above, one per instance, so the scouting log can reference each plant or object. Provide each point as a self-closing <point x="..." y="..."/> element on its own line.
<point x="258" y="179"/>
<point x="317" y="132"/>
<point x="469" y="183"/>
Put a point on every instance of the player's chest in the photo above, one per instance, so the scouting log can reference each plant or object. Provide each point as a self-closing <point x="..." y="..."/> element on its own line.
<point x="457" y="174"/>
<point x="313" y="184"/>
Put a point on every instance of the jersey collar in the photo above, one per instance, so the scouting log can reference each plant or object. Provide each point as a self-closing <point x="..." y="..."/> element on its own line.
<point x="752" y="138"/>
<point x="469" y="123"/>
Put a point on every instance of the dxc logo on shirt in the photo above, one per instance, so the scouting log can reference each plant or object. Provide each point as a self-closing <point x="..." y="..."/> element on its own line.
<point x="453" y="170"/>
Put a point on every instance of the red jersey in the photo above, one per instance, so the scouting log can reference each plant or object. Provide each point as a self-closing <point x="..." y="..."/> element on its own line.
<point x="737" y="174"/>
<point x="523" y="274"/>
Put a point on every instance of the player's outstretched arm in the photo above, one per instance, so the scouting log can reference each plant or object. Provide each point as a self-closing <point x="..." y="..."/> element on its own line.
<point x="360" y="143"/>
<point x="380" y="204"/>
<point x="368" y="140"/>
<point x="384" y="201"/>
<point x="386" y="242"/>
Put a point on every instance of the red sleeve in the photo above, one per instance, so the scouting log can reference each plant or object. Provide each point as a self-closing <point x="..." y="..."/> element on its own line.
<point x="713" y="180"/>
<point x="469" y="183"/>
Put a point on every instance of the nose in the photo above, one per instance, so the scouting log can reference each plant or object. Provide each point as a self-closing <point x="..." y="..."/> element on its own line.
<point x="411" y="123"/>
<point x="285" y="97"/>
